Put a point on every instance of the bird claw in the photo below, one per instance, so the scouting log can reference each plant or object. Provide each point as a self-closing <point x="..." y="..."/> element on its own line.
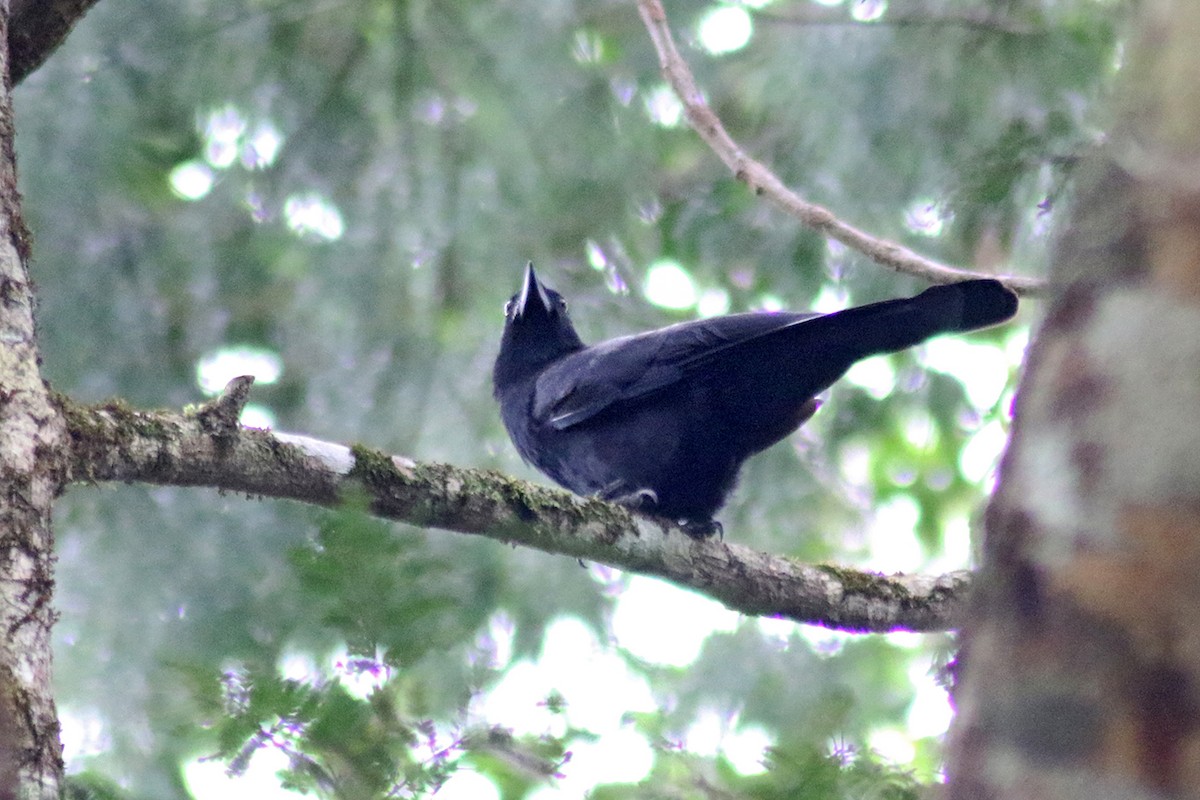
<point x="646" y="499"/>
<point x="638" y="498"/>
<point x="700" y="529"/>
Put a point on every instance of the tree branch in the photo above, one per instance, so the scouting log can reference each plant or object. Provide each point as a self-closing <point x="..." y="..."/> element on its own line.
<point x="761" y="180"/>
<point x="115" y="443"/>
<point x="36" y="30"/>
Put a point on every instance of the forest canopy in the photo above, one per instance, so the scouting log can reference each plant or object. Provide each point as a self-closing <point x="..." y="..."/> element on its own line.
<point x="340" y="197"/>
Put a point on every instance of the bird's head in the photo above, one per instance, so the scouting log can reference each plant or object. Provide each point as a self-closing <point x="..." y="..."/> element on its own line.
<point x="537" y="331"/>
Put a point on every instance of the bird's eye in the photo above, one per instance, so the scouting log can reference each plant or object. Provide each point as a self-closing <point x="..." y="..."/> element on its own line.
<point x="562" y="304"/>
<point x="508" y="308"/>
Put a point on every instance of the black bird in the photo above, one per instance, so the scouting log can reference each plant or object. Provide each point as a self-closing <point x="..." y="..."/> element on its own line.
<point x="663" y="420"/>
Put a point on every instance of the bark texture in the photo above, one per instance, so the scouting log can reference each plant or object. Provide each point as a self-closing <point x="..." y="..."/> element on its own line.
<point x="207" y="448"/>
<point x="1082" y="648"/>
<point x="37" y="28"/>
<point x="32" y="438"/>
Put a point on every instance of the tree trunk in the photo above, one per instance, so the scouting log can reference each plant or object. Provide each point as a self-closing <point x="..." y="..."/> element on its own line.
<point x="32" y="436"/>
<point x="1081" y="658"/>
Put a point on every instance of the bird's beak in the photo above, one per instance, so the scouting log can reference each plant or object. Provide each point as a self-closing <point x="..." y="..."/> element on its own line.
<point x="532" y="290"/>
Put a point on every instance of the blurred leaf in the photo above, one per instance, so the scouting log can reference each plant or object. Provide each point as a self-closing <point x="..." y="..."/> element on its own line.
<point x="456" y="140"/>
<point x="383" y="589"/>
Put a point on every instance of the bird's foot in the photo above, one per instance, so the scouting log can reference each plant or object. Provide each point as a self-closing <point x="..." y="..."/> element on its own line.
<point x="638" y="498"/>
<point x="700" y="529"/>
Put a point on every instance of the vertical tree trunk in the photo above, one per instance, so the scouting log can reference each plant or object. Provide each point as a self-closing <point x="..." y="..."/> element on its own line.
<point x="1081" y="659"/>
<point x="31" y="446"/>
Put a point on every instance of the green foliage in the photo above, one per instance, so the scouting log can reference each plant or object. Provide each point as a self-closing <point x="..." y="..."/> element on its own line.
<point x="341" y="744"/>
<point x="381" y="589"/>
<point x="800" y="772"/>
<point x="338" y="745"/>
<point x="794" y="772"/>
<point x="92" y="786"/>
<point x="456" y="139"/>
<point x="516" y="765"/>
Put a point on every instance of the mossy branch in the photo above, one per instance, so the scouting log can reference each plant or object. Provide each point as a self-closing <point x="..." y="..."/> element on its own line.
<point x="113" y="442"/>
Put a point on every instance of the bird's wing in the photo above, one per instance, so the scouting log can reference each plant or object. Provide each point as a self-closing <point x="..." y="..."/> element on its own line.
<point x="586" y="383"/>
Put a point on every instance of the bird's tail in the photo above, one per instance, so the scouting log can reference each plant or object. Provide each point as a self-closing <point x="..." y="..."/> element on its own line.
<point x="899" y="324"/>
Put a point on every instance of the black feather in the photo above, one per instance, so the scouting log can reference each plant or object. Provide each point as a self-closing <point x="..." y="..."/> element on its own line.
<point x="664" y="419"/>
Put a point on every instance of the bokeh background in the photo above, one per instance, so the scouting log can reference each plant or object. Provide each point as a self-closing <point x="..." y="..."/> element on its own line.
<point x="339" y="196"/>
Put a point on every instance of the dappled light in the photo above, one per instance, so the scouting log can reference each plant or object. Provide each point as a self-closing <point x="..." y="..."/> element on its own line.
<point x="713" y="302"/>
<point x="663" y="107"/>
<point x="669" y="285"/>
<point x="925" y="218"/>
<point x="876" y="376"/>
<point x="725" y="29"/>
<point x="868" y="10"/>
<point x="312" y="216"/>
<point x="338" y="199"/>
<point x="217" y="368"/>
<point x="663" y="624"/>
<point x="192" y="180"/>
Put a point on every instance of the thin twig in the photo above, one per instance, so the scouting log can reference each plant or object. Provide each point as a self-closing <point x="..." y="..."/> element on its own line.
<point x="763" y="181"/>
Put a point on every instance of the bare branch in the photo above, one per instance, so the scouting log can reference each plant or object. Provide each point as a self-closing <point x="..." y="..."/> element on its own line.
<point x="115" y="443"/>
<point x="761" y="180"/>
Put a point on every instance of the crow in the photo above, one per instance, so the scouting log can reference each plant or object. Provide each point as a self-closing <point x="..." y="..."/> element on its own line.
<point x="662" y="421"/>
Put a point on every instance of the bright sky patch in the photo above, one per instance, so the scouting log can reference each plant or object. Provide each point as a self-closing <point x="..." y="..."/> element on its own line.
<point x="191" y="180"/>
<point x="668" y="285"/>
<point x="725" y="29"/>
<point x="218" y="367"/>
